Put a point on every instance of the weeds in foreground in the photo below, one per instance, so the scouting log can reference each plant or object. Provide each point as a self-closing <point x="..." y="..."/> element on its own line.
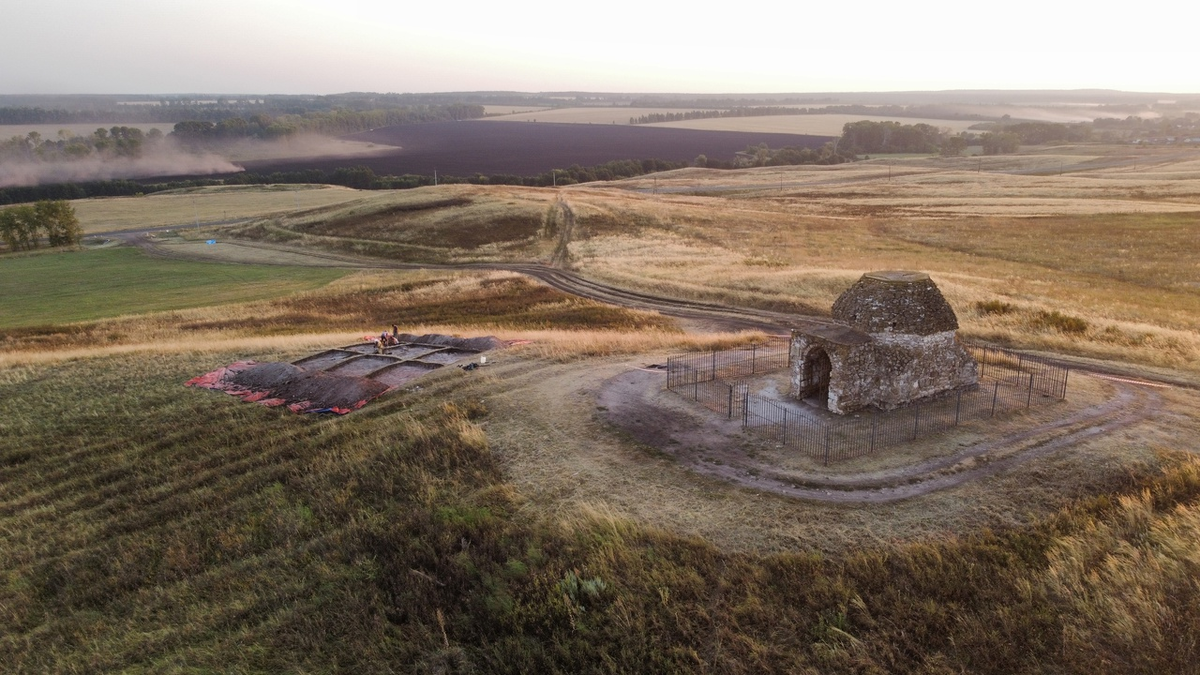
<point x="154" y="527"/>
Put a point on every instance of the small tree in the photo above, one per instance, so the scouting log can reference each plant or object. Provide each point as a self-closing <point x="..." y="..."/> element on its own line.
<point x="57" y="219"/>
<point x="22" y="227"/>
<point x="18" y="228"/>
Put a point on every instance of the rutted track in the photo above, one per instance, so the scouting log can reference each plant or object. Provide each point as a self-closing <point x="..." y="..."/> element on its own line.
<point x="568" y="282"/>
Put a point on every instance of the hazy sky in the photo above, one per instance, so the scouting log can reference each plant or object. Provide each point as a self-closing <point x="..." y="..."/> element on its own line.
<point x="321" y="47"/>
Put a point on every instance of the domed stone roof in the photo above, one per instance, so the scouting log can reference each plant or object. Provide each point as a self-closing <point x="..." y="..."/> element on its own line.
<point x="895" y="302"/>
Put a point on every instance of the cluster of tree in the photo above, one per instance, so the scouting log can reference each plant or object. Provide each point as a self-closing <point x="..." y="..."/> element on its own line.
<point x="761" y="155"/>
<point x="756" y="111"/>
<point x="115" y="142"/>
<point x="1149" y="129"/>
<point x="174" y="110"/>
<point x="23" y="227"/>
<point x="723" y="101"/>
<point x="198" y="132"/>
<point x="1000" y="143"/>
<point x="726" y="108"/>
<point x="348" y="121"/>
<point x="867" y="137"/>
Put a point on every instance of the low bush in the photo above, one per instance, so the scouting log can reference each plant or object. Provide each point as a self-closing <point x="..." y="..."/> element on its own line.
<point x="994" y="307"/>
<point x="1063" y="323"/>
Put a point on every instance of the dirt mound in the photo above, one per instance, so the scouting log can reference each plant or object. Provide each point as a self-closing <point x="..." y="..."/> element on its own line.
<point x="300" y="390"/>
<point x="479" y="344"/>
<point x="267" y="376"/>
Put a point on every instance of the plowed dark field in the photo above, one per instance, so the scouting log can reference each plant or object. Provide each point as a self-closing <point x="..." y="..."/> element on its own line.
<point x="529" y="148"/>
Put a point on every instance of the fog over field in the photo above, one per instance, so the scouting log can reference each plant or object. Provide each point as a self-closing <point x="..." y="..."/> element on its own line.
<point x="163" y="163"/>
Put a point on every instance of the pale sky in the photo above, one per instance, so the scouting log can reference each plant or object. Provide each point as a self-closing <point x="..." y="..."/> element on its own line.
<point x="324" y="47"/>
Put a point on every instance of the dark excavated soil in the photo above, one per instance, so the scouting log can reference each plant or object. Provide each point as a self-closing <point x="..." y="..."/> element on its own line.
<point x="321" y="390"/>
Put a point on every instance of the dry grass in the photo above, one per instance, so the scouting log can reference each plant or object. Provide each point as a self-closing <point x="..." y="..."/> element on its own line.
<point x="1106" y="246"/>
<point x="491" y="521"/>
<point x="187" y="207"/>
<point x="507" y="305"/>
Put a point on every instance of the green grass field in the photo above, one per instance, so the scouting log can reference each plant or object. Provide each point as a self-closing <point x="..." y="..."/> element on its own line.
<point x="57" y="288"/>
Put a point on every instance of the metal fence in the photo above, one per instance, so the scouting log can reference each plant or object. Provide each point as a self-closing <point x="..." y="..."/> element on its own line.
<point x="729" y="364"/>
<point x="1007" y="382"/>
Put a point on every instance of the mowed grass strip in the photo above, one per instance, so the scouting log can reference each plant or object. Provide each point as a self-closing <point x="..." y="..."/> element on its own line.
<point x="88" y="285"/>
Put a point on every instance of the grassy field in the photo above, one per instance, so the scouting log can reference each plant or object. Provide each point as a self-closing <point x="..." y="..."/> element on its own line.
<point x="1110" y="242"/>
<point x="60" y="288"/>
<point x="201" y="205"/>
<point x="153" y="527"/>
<point x="492" y="522"/>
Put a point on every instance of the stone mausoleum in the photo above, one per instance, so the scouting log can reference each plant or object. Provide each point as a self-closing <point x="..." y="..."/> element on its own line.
<point x="893" y="342"/>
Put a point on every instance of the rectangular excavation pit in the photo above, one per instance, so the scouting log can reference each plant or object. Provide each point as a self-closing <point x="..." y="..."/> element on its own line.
<point x="361" y="347"/>
<point x="361" y="366"/>
<point x="399" y="373"/>
<point x="323" y="360"/>
<point x="447" y="356"/>
<point x="410" y="351"/>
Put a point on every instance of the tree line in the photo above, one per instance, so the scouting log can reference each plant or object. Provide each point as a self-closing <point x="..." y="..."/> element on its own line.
<point x="333" y="123"/>
<point x="871" y="137"/>
<point x="119" y="141"/>
<point x="23" y="227"/>
<point x="300" y="114"/>
<point x="756" y="111"/>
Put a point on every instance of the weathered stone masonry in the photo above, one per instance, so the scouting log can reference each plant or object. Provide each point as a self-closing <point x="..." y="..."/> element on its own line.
<point x="893" y="343"/>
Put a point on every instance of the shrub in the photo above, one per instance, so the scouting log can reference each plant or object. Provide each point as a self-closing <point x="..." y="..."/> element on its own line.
<point x="1058" y="321"/>
<point x="995" y="307"/>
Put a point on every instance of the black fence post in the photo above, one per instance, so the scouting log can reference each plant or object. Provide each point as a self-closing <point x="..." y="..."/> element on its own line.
<point x="1066" y="374"/>
<point x="957" y="407"/>
<point x="1029" y="396"/>
<point x="995" y="395"/>
<point x="828" y="431"/>
<point x="753" y="358"/>
<point x="714" y="364"/>
<point x="731" y="401"/>
<point x="746" y="409"/>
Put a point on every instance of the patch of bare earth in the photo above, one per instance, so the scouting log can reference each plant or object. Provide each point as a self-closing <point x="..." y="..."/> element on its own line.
<point x="603" y="435"/>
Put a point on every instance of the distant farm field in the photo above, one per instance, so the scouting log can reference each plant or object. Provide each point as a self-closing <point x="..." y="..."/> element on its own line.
<point x="528" y="148"/>
<point x="818" y="125"/>
<point x="609" y="115"/>
<point x="58" y="288"/>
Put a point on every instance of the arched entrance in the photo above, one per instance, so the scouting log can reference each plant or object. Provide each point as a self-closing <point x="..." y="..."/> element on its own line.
<point x="815" y="375"/>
